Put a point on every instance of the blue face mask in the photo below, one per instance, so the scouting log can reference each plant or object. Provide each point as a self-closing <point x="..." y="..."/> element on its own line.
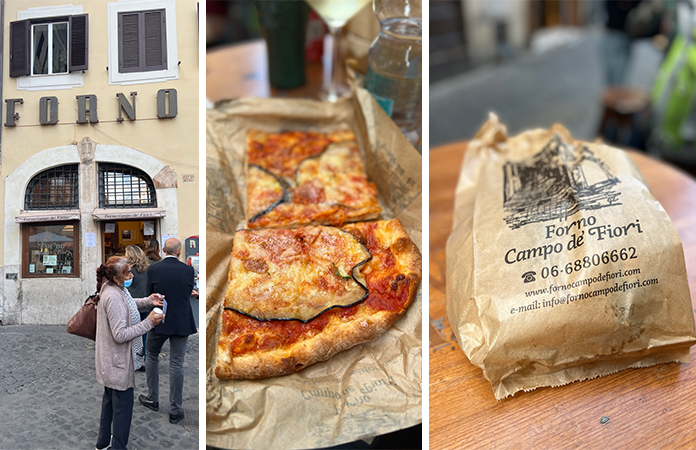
<point x="127" y="283"/>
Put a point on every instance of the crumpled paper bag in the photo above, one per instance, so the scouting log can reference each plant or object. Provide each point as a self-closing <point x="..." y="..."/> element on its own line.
<point x="561" y="265"/>
<point x="371" y="389"/>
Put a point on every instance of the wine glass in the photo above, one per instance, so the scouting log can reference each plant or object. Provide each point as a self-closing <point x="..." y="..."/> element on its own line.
<point x="336" y="13"/>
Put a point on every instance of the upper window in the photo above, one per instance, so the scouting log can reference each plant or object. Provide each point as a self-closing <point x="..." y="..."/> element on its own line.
<point x="122" y="186"/>
<point x="142" y="41"/>
<point x="54" y="188"/>
<point x="49" y="46"/>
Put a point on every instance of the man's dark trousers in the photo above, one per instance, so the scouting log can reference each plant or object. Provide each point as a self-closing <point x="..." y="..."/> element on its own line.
<point x="177" y="351"/>
<point x="175" y="280"/>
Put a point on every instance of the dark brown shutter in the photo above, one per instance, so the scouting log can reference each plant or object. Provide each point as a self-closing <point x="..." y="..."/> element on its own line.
<point x="129" y="43"/>
<point x="142" y="41"/>
<point x="155" y="40"/>
<point x="79" y="42"/>
<point x="19" y="48"/>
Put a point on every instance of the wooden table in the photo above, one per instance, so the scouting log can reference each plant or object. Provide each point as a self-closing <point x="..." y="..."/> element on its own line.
<point x="241" y="70"/>
<point x="645" y="408"/>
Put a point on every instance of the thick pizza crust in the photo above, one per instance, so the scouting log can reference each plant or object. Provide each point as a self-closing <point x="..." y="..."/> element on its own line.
<point x="340" y="333"/>
<point x="335" y="338"/>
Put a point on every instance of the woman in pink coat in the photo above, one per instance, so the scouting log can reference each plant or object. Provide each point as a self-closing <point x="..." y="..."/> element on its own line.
<point x="118" y="324"/>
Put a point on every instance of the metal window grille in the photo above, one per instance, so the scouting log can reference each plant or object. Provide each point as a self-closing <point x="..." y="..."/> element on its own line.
<point x="123" y="186"/>
<point x="55" y="188"/>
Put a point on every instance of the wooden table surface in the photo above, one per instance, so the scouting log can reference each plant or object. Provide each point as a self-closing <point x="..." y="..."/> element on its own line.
<point x="241" y="70"/>
<point x="646" y="408"/>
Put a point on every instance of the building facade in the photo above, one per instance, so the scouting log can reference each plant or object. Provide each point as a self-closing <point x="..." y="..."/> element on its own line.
<point x="98" y="143"/>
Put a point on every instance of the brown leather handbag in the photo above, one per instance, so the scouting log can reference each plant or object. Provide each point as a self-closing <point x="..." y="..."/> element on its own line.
<point x="84" y="322"/>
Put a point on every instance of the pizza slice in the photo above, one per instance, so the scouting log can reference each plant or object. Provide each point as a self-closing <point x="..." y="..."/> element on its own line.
<point x="252" y="347"/>
<point x="305" y="178"/>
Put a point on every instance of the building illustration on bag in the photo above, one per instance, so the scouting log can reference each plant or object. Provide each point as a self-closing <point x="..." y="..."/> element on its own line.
<point x="99" y="143"/>
<point x="556" y="183"/>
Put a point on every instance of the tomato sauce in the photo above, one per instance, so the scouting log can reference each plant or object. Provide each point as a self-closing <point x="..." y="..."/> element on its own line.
<point x="281" y="153"/>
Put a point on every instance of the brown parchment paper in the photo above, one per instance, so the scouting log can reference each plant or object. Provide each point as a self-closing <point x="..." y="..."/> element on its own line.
<point x="586" y="283"/>
<point x="371" y="389"/>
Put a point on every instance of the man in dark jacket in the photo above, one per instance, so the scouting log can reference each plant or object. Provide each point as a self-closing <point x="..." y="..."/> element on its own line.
<point x="175" y="280"/>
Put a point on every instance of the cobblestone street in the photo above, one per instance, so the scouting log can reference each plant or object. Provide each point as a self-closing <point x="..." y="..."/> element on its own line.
<point x="50" y="399"/>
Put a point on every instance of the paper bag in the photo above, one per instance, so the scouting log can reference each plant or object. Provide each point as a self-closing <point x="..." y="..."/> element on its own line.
<point x="371" y="389"/>
<point x="561" y="265"/>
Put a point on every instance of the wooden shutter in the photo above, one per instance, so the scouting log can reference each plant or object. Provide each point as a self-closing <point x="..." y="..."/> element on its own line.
<point x="19" y="48"/>
<point x="142" y="41"/>
<point x="155" y="56"/>
<point x="79" y="42"/>
<point x="128" y="43"/>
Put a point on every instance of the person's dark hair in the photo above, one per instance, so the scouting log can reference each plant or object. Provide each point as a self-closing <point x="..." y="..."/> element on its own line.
<point x="152" y="250"/>
<point x="115" y="267"/>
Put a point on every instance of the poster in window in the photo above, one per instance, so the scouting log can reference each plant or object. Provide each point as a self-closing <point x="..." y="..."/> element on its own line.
<point x="109" y="227"/>
<point x="50" y="260"/>
<point x="148" y="228"/>
<point x="32" y="268"/>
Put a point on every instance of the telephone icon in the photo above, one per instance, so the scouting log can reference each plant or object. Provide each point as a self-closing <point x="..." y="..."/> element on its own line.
<point x="528" y="277"/>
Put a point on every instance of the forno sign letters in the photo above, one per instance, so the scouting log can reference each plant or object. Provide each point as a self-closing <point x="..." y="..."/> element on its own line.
<point x="87" y="108"/>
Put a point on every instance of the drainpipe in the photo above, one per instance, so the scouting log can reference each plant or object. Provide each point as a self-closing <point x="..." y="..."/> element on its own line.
<point x="2" y="48"/>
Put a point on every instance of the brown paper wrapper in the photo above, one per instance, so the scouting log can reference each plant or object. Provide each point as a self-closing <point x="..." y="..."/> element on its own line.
<point x="371" y="389"/>
<point x="561" y="265"/>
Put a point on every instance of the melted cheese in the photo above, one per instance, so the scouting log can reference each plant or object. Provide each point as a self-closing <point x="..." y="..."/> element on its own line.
<point x="328" y="185"/>
<point x="340" y="174"/>
<point x="295" y="273"/>
<point x="264" y="191"/>
<point x="281" y="153"/>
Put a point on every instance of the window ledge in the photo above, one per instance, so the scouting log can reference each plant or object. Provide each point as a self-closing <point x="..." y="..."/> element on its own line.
<point x="50" y="82"/>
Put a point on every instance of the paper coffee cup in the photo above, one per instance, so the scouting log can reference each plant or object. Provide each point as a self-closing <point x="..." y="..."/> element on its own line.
<point x="158" y="311"/>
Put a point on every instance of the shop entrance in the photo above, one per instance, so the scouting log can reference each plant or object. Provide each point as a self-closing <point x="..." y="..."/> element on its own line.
<point x="117" y="235"/>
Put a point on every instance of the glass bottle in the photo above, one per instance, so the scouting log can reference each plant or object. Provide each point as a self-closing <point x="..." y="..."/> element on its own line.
<point x="394" y="64"/>
<point x="284" y="27"/>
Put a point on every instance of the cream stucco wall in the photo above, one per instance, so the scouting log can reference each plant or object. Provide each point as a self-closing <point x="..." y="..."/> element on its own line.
<point x="148" y="143"/>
